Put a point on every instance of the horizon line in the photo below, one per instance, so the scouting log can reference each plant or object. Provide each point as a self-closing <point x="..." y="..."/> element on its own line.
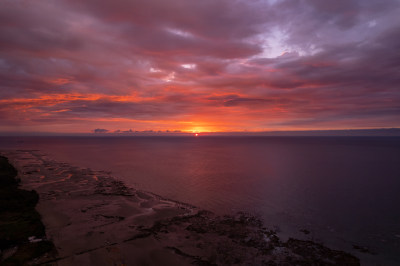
<point x="392" y="131"/>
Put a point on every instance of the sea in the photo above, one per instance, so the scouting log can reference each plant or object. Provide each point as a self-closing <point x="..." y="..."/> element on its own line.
<point x="341" y="191"/>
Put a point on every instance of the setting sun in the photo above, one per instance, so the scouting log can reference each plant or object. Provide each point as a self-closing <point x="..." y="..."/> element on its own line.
<point x="295" y="106"/>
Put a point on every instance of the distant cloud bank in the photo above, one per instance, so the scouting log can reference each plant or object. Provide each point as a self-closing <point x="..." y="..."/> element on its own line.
<point x="101" y="130"/>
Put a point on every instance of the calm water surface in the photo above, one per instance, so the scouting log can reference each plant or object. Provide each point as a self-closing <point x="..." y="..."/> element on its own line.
<point x="345" y="190"/>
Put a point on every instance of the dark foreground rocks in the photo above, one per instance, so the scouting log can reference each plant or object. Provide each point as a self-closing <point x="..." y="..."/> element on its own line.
<point x="207" y="239"/>
<point x="22" y="234"/>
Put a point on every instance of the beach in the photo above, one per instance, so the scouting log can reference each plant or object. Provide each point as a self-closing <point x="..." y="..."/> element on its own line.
<point x="95" y="219"/>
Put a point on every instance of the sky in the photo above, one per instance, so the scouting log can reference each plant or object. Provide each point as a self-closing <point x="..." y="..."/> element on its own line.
<point x="198" y="66"/>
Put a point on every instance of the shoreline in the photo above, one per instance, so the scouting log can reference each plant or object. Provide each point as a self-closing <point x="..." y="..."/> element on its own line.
<point x="93" y="218"/>
<point x="22" y="234"/>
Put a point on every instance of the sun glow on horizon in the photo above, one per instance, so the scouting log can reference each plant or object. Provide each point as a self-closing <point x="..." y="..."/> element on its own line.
<point x="246" y="73"/>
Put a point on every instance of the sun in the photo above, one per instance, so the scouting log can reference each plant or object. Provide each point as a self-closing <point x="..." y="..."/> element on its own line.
<point x="197" y="134"/>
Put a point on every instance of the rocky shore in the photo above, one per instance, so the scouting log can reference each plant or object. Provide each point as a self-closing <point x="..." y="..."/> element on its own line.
<point x="94" y="219"/>
<point x="22" y="234"/>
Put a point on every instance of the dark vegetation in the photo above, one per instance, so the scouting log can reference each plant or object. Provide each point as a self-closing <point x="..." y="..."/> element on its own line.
<point x="19" y="221"/>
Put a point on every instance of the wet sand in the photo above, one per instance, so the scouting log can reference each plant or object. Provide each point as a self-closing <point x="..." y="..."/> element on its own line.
<point x="94" y="219"/>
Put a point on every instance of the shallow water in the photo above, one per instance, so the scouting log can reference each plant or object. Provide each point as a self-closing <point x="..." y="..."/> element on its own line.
<point x="342" y="189"/>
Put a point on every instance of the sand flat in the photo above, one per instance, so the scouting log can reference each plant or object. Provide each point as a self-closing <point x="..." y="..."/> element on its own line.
<point x="91" y="220"/>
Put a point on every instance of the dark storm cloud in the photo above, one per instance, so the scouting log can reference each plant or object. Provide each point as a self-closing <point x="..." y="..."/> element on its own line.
<point x="206" y="19"/>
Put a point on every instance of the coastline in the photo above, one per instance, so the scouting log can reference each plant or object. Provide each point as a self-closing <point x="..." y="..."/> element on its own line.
<point x="94" y="219"/>
<point x="22" y="233"/>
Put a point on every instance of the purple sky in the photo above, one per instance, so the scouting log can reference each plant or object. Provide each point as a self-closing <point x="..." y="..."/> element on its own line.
<point x="209" y="65"/>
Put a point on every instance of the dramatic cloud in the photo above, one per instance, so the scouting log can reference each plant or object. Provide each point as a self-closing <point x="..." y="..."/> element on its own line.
<point x="212" y="65"/>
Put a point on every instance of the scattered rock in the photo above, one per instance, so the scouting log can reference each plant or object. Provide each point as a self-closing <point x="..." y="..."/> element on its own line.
<point x="363" y="249"/>
<point x="305" y="231"/>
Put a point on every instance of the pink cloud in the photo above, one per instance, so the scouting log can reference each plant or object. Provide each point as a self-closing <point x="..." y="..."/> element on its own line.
<point x="186" y="64"/>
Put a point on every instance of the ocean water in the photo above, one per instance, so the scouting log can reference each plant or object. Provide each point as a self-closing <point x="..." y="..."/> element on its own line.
<point x="344" y="190"/>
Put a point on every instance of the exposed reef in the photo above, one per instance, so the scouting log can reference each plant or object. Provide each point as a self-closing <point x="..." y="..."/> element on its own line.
<point x="94" y="219"/>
